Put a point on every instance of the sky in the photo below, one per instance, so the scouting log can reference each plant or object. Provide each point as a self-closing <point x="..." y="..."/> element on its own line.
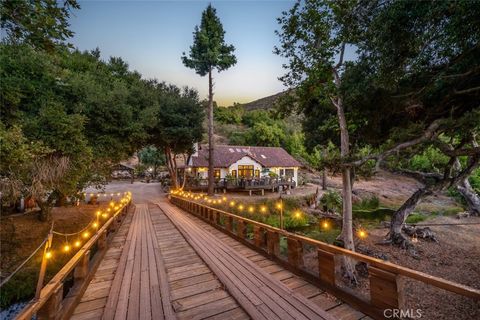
<point x="152" y="35"/>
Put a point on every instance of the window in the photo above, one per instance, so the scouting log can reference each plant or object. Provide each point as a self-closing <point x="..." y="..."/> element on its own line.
<point x="281" y="172"/>
<point x="234" y="173"/>
<point x="245" y="171"/>
<point x="289" y="172"/>
<point x="257" y="173"/>
<point x="216" y="174"/>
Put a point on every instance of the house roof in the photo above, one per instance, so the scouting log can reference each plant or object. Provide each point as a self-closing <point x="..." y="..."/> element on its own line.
<point x="226" y="155"/>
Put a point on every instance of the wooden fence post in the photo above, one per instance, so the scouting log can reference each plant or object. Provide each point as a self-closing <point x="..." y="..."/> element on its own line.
<point x="102" y="241"/>
<point x="50" y="309"/>
<point x="241" y="229"/>
<point x="81" y="270"/>
<point x="228" y="223"/>
<point x="326" y="267"/>
<point x="258" y="237"/>
<point x="273" y="243"/>
<point x="386" y="289"/>
<point x="295" y="252"/>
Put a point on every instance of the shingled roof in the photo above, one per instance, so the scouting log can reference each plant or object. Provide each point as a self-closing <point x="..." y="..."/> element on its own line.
<point x="227" y="155"/>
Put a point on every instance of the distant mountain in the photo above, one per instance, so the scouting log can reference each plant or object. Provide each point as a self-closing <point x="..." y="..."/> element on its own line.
<point x="263" y="103"/>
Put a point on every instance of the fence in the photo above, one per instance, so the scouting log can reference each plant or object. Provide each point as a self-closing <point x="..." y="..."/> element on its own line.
<point x="386" y="280"/>
<point x="59" y="297"/>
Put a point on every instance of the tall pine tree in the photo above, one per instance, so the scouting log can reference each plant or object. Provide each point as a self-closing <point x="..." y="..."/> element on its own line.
<point x="208" y="52"/>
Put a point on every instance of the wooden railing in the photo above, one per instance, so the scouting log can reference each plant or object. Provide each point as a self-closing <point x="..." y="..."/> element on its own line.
<point x="241" y="183"/>
<point x="56" y="301"/>
<point x="386" y="280"/>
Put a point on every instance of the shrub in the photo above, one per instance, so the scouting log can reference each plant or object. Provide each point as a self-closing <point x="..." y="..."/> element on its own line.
<point x="331" y="201"/>
<point x="368" y="204"/>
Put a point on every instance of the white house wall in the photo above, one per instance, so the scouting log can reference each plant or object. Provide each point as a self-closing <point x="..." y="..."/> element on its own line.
<point x="245" y="161"/>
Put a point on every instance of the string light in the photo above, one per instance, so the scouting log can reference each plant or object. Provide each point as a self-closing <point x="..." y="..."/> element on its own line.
<point x="48" y="254"/>
<point x="77" y="243"/>
<point x="224" y="198"/>
<point x="297" y="214"/>
<point x="263" y="209"/>
<point x="66" y="248"/>
<point x="362" y="234"/>
<point x="85" y="234"/>
<point x="279" y="205"/>
<point x="232" y="203"/>
<point x="240" y="207"/>
<point x="251" y="209"/>
<point x="325" y="224"/>
<point x="95" y="225"/>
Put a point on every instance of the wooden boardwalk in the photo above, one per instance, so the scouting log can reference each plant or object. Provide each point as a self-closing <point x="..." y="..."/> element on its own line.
<point x="164" y="264"/>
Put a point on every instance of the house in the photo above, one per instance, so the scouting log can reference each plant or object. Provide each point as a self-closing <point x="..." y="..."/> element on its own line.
<point x="244" y="162"/>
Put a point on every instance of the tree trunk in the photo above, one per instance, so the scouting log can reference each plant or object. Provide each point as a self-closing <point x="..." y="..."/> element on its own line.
<point x="347" y="225"/>
<point x="45" y="213"/>
<point x="184" y="171"/>
<point x="470" y="196"/>
<point x="324" y="179"/>
<point x="399" y="217"/>
<point x="170" y="167"/>
<point x="211" y="151"/>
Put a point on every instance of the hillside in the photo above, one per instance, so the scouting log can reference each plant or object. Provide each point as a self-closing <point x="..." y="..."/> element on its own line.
<point x="263" y="103"/>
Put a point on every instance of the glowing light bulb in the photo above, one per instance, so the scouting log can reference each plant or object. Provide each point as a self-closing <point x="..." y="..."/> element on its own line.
<point x="240" y="207"/>
<point x="85" y="234"/>
<point x="99" y="213"/>
<point x="325" y="225"/>
<point x="112" y="204"/>
<point x="66" y="248"/>
<point x="95" y="225"/>
<point x="232" y="203"/>
<point x="251" y="209"/>
<point x="224" y="198"/>
<point x="362" y="234"/>
<point x="297" y="214"/>
<point x="104" y="215"/>
<point x="77" y="243"/>
<point x="279" y="205"/>
<point x="263" y="209"/>
<point x="48" y="254"/>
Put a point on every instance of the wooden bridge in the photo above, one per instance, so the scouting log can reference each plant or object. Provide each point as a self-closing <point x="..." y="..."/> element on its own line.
<point x="165" y="263"/>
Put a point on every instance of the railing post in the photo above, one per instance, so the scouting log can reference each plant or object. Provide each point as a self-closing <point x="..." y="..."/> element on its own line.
<point x="273" y="243"/>
<point x="295" y="252"/>
<point x="386" y="289"/>
<point x="51" y="308"/>
<point x="241" y="229"/>
<point x="81" y="270"/>
<point x="217" y="218"/>
<point x="326" y="266"/>
<point x="258" y="237"/>
<point x="102" y="241"/>
<point x="228" y="223"/>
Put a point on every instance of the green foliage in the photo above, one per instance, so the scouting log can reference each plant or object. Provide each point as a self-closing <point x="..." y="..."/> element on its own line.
<point x="42" y="24"/>
<point x="371" y="203"/>
<point x="430" y="160"/>
<point x="209" y="50"/>
<point x="151" y="156"/>
<point x="331" y="201"/>
<point x="179" y="117"/>
<point x="263" y="134"/>
<point x="416" y="218"/>
<point x="474" y="180"/>
<point x="228" y="115"/>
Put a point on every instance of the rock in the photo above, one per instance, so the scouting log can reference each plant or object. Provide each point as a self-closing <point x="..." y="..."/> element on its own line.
<point x="464" y="214"/>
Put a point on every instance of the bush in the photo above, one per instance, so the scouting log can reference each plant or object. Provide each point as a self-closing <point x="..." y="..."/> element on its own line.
<point x="368" y="204"/>
<point x="332" y="201"/>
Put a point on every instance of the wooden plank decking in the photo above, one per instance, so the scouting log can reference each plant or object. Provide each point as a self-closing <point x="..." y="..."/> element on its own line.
<point x="164" y="263"/>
